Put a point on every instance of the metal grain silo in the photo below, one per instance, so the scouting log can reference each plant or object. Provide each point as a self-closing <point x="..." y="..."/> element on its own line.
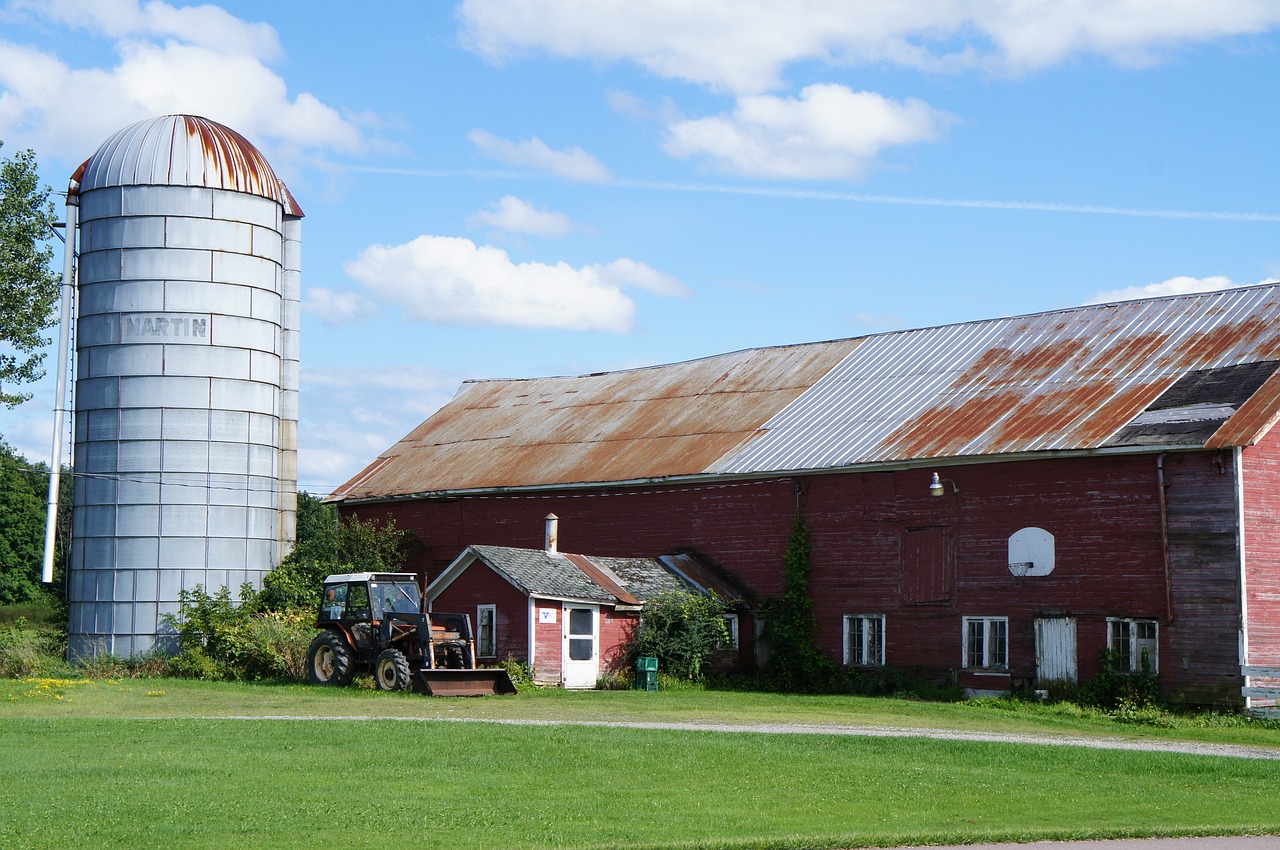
<point x="186" y="393"/>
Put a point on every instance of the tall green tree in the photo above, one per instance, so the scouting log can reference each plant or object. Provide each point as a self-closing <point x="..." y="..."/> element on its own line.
<point x="23" y="495"/>
<point x="329" y="544"/>
<point x="28" y="282"/>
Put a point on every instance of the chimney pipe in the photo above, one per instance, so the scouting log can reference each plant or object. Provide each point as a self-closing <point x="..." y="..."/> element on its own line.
<point x="553" y="533"/>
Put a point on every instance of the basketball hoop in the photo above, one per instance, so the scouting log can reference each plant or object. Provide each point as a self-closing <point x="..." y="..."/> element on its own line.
<point x="1020" y="570"/>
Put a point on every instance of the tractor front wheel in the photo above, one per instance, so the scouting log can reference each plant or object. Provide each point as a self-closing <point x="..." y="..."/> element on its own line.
<point x="391" y="670"/>
<point x="329" y="660"/>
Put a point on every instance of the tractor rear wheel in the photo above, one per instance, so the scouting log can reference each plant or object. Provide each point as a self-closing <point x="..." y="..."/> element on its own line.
<point x="391" y="670"/>
<point x="329" y="660"/>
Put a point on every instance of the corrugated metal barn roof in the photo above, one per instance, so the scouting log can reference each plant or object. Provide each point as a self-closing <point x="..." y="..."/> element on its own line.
<point x="1075" y="379"/>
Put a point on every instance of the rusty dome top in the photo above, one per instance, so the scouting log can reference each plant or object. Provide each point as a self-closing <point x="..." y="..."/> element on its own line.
<point x="183" y="150"/>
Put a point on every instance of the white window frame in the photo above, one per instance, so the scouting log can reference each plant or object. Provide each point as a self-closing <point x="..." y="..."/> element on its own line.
<point x="493" y="630"/>
<point x="1128" y="632"/>
<point x="993" y="651"/>
<point x="858" y="650"/>
<point x="731" y="624"/>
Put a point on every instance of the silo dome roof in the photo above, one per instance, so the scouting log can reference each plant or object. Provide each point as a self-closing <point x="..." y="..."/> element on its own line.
<point x="183" y="150"/>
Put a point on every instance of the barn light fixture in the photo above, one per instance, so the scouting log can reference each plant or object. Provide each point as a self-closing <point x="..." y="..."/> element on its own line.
<point x="936" y="488"/>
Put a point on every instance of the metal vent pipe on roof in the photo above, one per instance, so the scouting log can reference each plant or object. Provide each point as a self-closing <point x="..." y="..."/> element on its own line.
<point x="553" y="533"/>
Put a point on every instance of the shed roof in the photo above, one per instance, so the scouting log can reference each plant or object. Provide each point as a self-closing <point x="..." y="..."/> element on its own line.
<point x="558" y="575"/>
<point x="1079" y="379"/>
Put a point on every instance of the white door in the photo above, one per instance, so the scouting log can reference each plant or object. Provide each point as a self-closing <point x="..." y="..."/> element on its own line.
<point x="580" y="658"/>
<point x="1056" y="649"/>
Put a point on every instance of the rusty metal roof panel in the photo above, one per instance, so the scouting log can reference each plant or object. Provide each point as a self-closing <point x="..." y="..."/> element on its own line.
<point x="1066" y="380"/>
<point x="184" y="150"/>
<point x="655" y="422"/>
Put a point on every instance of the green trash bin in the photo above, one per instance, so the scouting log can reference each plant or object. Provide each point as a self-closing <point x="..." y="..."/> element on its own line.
<point x="646" y="673"/>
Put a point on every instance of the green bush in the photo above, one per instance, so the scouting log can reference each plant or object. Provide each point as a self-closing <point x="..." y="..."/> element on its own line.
<point x="218" y="639"/>
<point x="681" y="630"/>
<point x="1110" y="688"/>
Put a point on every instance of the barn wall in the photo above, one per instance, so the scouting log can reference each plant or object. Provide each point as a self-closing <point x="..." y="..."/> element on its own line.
<point x="616" y="628"/>
<point x="1103" y="511"/>
<point x="1199" y="660"/>
<point x="1262" y="548"/>
<point x="479" y="585"/>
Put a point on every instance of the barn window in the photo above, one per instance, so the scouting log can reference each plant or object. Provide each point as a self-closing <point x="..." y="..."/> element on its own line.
<point x="486" y="631"/>
<point x="986" y="643"/>
<point x="864" y="640"/>
<point x="928" y="563"/>
<point x="731" y="632"/>
<point x="1132" y="641"/>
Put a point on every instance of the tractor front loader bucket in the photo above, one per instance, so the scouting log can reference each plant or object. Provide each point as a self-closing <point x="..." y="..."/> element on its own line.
<point x="463" y="683"/>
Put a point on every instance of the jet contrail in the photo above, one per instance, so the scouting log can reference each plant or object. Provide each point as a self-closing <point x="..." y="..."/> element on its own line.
<point x="850" y="197"/>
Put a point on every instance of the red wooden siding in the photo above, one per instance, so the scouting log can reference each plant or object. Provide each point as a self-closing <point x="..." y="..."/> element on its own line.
<point x="479" y="585"/>
<point x="1103" y="511"/>
<point x="548" y="644"/>
<point x="1262" y="548"/>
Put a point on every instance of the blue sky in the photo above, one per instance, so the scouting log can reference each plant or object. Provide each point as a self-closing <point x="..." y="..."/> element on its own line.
<point x="511" y="188"/>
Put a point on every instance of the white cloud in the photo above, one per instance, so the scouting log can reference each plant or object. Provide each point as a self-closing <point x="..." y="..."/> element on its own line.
<point x="515" y="215"/>
<point x="206" y="25"/>
<point x="196" y="60"/>
<point x="573" y="163"/>
<point x="448" y="280"/>
<point x="828" y="132"/>
<point x="744" y="45"/>
<point x="338" y="308"/>
<point x="1173" y="286"/>
<point x="350" y="416"/>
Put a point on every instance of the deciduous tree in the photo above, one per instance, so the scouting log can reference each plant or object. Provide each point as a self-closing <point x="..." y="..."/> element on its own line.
<point x="28" y="283"/>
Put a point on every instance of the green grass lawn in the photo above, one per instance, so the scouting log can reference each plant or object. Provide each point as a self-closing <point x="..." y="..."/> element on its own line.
<point x="136" y="764"/>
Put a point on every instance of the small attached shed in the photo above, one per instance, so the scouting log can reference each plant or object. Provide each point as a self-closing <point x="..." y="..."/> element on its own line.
<point x="570" y="616"/>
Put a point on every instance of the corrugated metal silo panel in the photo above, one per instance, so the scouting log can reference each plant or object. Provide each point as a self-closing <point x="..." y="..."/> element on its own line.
<point x="246" y="271"/>
<point x="228" y="552"/>
<point x="185" y="456"/>
<point x="158" y="391"/>
<point x="160" y="263"/>
<point x="184" y="488"/>
<point x="267" y="243"/>
<point x="137" y="520"/>
<point x="225" y="521"/>
<point x="115" y="360"/>
<point x="139" y="456"/>
<point x="236" y="206"/>
<point x="139" y="489"/>
<point x="229" y="425"/>
<point x="147" y="588"/>
<point x="206" y="361"/>
<point x="101" y="458"/>
<point x="184" y="424"/>
<point x="251" y="396"/>
<point x="124" y="233"/>
<point x="243" y="332"/>
<point x="139" y="553"/>
<point x="206" y="297"/>
<point x="185" y="552"/>
<point x="184" y="520"/>
<point x="100" y="203"/>
<point x="207" y="234"/>
<point x="182" y="201"/>
<point x="138" y="424"/>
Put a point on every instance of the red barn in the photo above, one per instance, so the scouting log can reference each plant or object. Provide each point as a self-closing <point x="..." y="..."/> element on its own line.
<point x="993" y="501"/>
<point x="568" y="616"/>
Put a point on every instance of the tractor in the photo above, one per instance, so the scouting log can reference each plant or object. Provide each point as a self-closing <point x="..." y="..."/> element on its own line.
<point x="374" y="623"/>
